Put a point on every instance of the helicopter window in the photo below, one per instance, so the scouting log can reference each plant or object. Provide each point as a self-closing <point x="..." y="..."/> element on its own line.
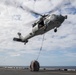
<point x="33" y="25"/>
<point x="52" y="17"/>
<point x="41" y="23"/>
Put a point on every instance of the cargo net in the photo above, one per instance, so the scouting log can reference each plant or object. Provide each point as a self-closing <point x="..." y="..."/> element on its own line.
<point x="34" y="66"/>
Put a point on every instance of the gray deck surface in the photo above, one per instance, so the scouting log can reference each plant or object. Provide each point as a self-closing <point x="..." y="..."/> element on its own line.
<point x="28" y="72"/>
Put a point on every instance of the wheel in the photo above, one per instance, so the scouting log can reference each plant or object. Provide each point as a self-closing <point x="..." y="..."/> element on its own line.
<point x="19" y="33"/>
<point x="55" y="30"/>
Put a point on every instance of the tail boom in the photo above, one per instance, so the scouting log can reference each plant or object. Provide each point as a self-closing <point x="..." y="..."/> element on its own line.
<point x="19" y="40"/>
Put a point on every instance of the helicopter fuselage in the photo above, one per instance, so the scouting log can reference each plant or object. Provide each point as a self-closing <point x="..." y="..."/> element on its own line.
<point x="42" y="26"/>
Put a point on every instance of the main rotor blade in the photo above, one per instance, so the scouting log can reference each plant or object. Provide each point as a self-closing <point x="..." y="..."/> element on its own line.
<point x="21" y="6"/>
<point x="30" y="11"/>
<point x="25" y="8"/>
<point x="57" y="7"/>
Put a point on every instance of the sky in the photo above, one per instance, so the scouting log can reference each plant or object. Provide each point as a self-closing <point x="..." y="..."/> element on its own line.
<point x="59" y="49"/>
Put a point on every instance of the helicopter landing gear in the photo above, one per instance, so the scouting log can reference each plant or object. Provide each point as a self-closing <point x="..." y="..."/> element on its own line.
<point x="55" y="30"/>
<point x="19" y="33"/>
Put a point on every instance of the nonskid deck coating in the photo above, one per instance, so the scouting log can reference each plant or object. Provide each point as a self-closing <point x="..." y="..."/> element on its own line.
<point x="28" y="72"/>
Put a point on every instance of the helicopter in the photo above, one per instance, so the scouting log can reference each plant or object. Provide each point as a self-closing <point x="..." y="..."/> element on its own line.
<point x="44" y="24"/>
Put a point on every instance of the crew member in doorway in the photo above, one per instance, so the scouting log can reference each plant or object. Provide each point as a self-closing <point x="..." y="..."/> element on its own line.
<point x="41" y="23"/>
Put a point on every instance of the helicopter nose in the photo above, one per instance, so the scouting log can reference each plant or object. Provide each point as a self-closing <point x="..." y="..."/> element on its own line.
<point x="65" y="16"/>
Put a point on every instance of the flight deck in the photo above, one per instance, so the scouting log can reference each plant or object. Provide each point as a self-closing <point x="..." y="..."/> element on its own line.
<point x="8" y="71"/>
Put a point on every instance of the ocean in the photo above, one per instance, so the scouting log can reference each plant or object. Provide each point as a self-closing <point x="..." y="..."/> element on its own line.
<point x="59" y="67"/>
<point x="52" y="67"/>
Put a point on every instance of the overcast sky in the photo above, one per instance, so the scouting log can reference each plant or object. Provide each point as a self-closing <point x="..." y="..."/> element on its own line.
<point x="59" y="49"/>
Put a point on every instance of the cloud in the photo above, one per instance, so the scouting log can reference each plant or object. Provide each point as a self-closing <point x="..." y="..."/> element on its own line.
<point x="14" y="25"/>
<point x="13" y="20"/>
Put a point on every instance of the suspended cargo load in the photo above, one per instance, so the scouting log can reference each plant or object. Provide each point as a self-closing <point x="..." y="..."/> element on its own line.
<point x="34" y="66"/>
